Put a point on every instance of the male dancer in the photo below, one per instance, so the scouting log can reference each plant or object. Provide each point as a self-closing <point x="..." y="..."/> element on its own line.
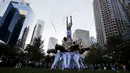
<point x="64" y="56"/>
<point x="81" y="51"/>
<point x="78" y="49"/>
<point x="69" y="41"/>
<point x="69" y="28"/>
<point x="59" y="55"/>
<point x="76" y="56"/>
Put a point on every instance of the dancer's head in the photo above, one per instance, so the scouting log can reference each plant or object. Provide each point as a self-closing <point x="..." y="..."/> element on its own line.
<point x="65" y="38"/>
<point x="74" y="42"/>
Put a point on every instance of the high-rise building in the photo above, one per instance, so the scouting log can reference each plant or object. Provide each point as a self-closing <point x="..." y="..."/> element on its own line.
<point x="126" y="6"/>
<point x="23" y="9"/>
<point x="29" y="21"/>
<point x="52" y="42"/>
<point x="4" y="4"/>
<point x="127" y="2"/>
<point x="0" y="20"/>
<point x="82" y="37"/>
<point x="24" y="37"/>
<point x="38" y="30"/>
<point x="16" y="31"/>
<point x="12" y="23"/>
<point x="0" y="17"/>
<point x="2" y="8"/>
<point x="110" y="19"/>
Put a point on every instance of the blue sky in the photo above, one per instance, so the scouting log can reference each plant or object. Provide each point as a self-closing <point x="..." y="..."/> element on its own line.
<point x="55" y="11"/>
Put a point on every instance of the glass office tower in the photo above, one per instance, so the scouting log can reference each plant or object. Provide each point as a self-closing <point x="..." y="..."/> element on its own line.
<point x="16" y="18"/>
<point x="12" y="23"/>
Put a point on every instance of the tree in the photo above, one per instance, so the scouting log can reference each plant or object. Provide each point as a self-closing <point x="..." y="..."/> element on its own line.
<point x="6" y="49"/>
<point x="35" y="51"/>
<point x="117" y="50"/>
<point x="94" y="55"/>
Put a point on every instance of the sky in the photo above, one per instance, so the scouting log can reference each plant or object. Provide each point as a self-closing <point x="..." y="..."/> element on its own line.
<point x="54" y="12"/>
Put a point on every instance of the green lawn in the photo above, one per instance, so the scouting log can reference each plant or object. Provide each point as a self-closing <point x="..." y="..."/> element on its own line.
<point x="41" y="70"/>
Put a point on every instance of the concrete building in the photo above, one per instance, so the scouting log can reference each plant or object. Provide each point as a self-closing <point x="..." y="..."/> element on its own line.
<point x="82" y="37"/>
<point x="127" y="2"/>
<point x="38" y="30"/>
<point x="52" y="42"/>
<point x="126" y="6"/>
<point x="110" y="19"/>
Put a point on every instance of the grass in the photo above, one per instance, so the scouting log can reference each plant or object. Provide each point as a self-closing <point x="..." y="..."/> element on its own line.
<point x="41" y="70"/>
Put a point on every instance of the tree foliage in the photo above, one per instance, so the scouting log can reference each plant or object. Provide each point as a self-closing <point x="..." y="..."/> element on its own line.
<point x="117" y="50"/>
<point x="6" y="49"/>
<point x="94" y="55"/>
<point x="35" y="51"/>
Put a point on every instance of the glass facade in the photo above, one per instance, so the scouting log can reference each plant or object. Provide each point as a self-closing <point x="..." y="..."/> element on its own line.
<point x="15" y="19"/>
<point x="38" y="30"/>
<point x="6" y="20"/>
<point x="29" y="21"/>
<point x="24" y="37"/>
<point x="3" y="6"/>
<point x="16" y="31"/>
<point x="0" y="20"/>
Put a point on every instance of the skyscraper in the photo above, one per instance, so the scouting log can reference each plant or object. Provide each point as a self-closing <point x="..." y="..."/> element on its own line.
<point x="0" y="20"/>
<point x="110" y="19"/>
<point x="16" y="31"/>
<point x="52" y="42"/>
<point x="12" y="23"/>
<point x="38" y="29"/>
<point x="2" y="9"/>
<point x="24" y="37"/>
<point x="82" y="37"/>
<point x="126" y="6"/>
<point x="127" y="2"/>
<point x="24" y="9"/>
<point x="3" y="6"/>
